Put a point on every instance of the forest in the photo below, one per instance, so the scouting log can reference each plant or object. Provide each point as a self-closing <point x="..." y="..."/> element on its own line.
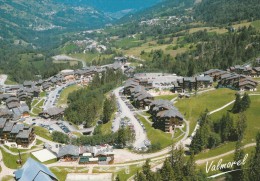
<point x="207" y="51"/>
<point x="219" y="12"/>
<point x="86" y="105"/>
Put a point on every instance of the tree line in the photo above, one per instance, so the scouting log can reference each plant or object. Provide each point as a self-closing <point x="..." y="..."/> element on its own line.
<point x="212" y="134"/>
<point x="85" y="106"/>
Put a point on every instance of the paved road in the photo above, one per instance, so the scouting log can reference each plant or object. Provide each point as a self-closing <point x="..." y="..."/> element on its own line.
<point x="126" y="112"/>
<point x="51" y="98"/>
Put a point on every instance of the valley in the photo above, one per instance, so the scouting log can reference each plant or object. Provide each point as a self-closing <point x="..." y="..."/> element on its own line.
<point x="130" y="91"/>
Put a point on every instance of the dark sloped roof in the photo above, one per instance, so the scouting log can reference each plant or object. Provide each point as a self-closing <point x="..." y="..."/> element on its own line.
<point x="8" y="126"/>
<point x="69" y="150"/>
<point x="54" y="111"/>
<point x="17" y="128"/>
<point x="2" y="122"/>
<point x="24" y="133"/>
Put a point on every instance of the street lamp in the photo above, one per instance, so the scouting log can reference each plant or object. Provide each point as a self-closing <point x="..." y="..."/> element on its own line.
<point x="19" y="161"/>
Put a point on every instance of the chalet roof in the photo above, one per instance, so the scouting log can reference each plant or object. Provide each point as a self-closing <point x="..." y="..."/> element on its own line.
<point x="2" y="122"/>
<point x="5" y="111"/>
<point x="25" y="133"/>
<point x="8" y="126"/>
<point x="28" y="83"/>
<point x="144" y="96"/>
<point x="17" y="128"/>
<point x="189" y="79"/>
<point x="246" y="83"/>
<point x="54" y="111"/>
<point x="12" y="105"/>
<point x="170" y="114"/>
<point x="205" y="79"/>
<point x="33" y="170"/>
<point x="12" y="99"/>
<point x="257" y="69"/>
<point x="68" y="150"/>
<point x="211" y="71"/>
<point x="4" y="96"/>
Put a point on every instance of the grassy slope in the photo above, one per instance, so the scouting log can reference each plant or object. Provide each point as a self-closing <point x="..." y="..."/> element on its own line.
<point x="166" y="97"/>
<point x="156" y="135"/>
<point x="253" y="126"/>
<point x="65" y="93"/>
<point x="193" y="107"/>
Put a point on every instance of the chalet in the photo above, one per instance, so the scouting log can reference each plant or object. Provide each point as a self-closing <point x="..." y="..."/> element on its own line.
<point x="69" y="153"/>
<point x="6" y="131"/>
<point x="143" y="99"/>
<point x="5" y="113"/>
<point x="22" y="111"/>
<point x="215" y="73"/>
<point x="170" y="119"/>
<point x="165" y="116"/>
<point x="2" y="124"/>
<point x="53" y="113"/>
<point x="3" y="97"/>
<point x="33" y="170"/>
<point x="12" y="105"/>
<point x="19" y="133"/>
<point x="46" y="85"/>
<point x="204" y="81"/>
<point x="130" y="84"/>
<point x="39" y="82"/>
<point x="28" y="84"/>
<point x="257" y="71"/>
<point x="238" y="82"/>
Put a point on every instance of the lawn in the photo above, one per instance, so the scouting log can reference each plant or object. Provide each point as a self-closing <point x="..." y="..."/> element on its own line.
<point x="35" y="101"/>
<point x="65" y="93"/>
<point x="106" y="128"/>
<point x="192" y="108"/>
<point x="42" y="132"/>
<point x="62" y="172"/>
<point x="156" y="135"/>
<point x="225" y="159"/>
<point x="166" y="97"/>
<point x="256" y="24"/>
<point x="8" y="178"/>
<point x="124" y="172"/>
<point x="43" y="94"/>
<point x="36" y="111"/>
<point x="253" y="126"/>
<point x="40" y="104"/>
<point x="10" y="82"/>
<point x="10" y="160"/>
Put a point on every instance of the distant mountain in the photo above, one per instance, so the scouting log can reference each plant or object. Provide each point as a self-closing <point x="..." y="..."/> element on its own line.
<point x="31" y="20"/>
<point x="164" y="8"/>
<point x="117" y="8"/>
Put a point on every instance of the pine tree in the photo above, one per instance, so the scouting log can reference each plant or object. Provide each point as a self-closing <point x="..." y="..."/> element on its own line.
<point x="245" y="102"/>
<point x="241" y="126"/>
<point x="117" y="178"/>
<point x="149" y="175"/>
<point x="254" y="169"/>
<point x="167" y="171"/>
<point x="140" y="177"/>
<point x="190" y="167"/>
<point x="237" y="105"/>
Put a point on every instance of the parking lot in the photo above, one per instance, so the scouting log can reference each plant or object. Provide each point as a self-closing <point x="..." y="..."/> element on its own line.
<point x="51" y="125"/>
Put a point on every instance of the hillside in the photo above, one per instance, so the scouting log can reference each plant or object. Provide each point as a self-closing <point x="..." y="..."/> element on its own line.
<point x="225" y="12"/>
<point x="32" y="21"/>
